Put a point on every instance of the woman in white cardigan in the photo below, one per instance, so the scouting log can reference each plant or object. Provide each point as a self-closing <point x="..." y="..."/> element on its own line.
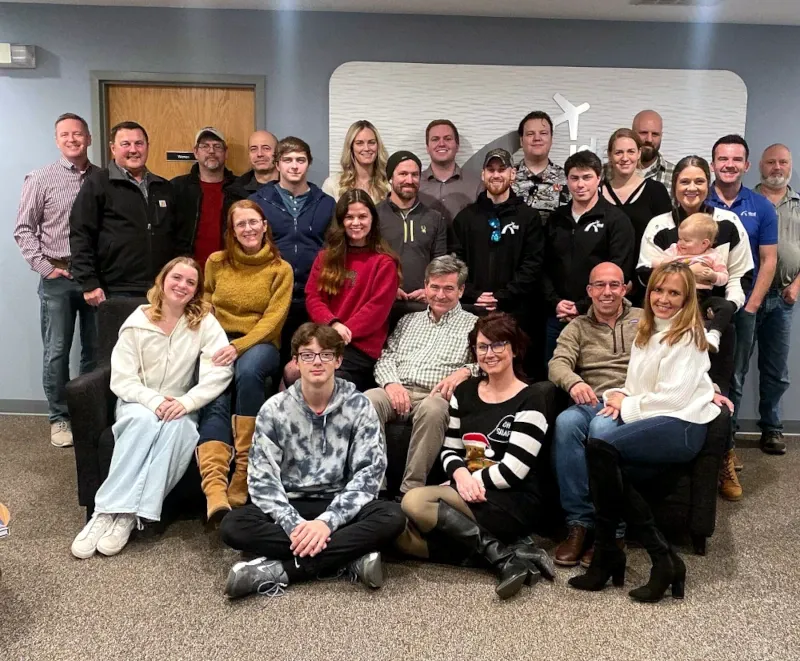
<point x="663" y="411"/>
<point x="160" y="389"/>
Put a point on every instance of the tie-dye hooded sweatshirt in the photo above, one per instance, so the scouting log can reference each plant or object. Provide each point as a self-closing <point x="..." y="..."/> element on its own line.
<point x="297" y="453"/>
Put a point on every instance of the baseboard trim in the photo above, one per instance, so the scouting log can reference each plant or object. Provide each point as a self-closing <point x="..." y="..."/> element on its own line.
<point x="23" y="407"/>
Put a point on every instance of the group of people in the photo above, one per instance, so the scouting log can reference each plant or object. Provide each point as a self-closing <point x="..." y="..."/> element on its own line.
<point x="638" y="287"/>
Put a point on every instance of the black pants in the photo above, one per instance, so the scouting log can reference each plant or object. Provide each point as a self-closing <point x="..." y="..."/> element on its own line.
<point x="297" y="317"/>
<point x="375" y="526"/>
<point x="358" y="368"/>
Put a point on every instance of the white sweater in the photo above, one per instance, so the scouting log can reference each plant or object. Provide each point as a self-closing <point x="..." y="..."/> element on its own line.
<point x="147" y="364"/>
<point x="668" y="380"/>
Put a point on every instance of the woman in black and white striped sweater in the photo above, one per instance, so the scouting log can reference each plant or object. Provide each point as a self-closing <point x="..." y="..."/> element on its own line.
<point x="497" y="426"/>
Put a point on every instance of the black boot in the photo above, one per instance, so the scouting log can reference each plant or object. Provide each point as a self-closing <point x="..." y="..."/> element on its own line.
<point x="605" y="484"/>
<point x="511" y="572"/>
<point x="668" y="569"/>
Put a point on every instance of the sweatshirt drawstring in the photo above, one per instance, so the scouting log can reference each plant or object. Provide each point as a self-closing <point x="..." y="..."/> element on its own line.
<point x="141" y="358"/>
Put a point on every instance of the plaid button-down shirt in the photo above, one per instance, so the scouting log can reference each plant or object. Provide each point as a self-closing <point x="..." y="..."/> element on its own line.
<point x="661" y="170"/>
<point x="421" y="352"/>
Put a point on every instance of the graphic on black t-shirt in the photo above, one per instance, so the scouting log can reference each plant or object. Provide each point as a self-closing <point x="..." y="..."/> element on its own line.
<point x="501" y="433"/>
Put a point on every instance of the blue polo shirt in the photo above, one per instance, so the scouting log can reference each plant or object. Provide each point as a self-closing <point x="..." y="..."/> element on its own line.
<point x="758" y="216"/>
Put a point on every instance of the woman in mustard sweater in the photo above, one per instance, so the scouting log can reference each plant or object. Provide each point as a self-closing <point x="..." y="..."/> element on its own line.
<point x="250" y="289"/>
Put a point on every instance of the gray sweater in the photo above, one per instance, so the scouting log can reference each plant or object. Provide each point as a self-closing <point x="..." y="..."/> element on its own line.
<point x="417" y="239"/>
<point x="297" y="453"/>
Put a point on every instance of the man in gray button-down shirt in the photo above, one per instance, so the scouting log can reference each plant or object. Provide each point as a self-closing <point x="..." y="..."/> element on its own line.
<point x="443" y="185"/>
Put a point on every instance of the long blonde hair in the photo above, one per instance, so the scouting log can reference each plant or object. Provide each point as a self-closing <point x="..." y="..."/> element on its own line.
<point x="195" y="309"/>
<point x="378" y="184"/>
<point x="689" y="321"/>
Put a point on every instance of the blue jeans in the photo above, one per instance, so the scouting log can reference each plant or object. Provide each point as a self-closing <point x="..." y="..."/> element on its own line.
<point x="61" y="300"/>
<point x="659" y="440"/>
<point x="573" y="427"/>
<point x="251" y="370"/>
<point x="552" y="331"/>
<point x="745" y="342"/>
<point x="773" y="335"/>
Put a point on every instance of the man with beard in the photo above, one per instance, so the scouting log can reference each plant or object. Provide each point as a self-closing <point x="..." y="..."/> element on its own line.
<point x="774" y="318"/>
<point x="203" y="197"/>
<point x="652" y="165"/>
<point x="730" y="161"/>
<point x="500" y="239"/>
<point x="261" y="151"/>
<point x="444" y="186"/>
<point x="540" y="183"/>
<point x="414" y="231"/>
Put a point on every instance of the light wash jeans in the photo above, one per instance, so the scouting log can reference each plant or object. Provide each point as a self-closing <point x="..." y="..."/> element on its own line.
<point x="150" y="457"/>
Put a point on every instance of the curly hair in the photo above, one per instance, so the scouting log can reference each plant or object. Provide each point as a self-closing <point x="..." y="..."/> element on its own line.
<point x="195" y="309"/>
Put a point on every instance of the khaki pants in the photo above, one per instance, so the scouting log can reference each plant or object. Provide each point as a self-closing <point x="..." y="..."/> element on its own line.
<point x="429" y="419"/>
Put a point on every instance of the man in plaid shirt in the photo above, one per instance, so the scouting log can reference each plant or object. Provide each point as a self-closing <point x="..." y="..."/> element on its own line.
<point x="652" y="165"/>
<point x="426" y="357"/>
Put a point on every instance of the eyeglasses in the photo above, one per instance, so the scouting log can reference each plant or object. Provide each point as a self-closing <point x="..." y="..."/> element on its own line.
<point x="494" y="223"/>
<point x="599" y="285"/>
<point x="497" y="348"/>
<point x="310" y="356"/>
<point x="253" y="222"/>
<point x="209" y="147"/>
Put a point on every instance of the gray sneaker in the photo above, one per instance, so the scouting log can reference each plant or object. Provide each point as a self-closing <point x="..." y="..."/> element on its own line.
<point x="368" y="569"/>
<point x="260" y="575"/>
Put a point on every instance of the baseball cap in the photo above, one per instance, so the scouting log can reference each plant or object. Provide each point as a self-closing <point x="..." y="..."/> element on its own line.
<point x="502" y="154"/>
<point x="209" y="130"/>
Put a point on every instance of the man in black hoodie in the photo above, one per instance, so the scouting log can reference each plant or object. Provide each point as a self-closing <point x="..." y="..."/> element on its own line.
<point x="578" y="236"/>
<point x="203" y="197"/>
<point x="499" y="237"/>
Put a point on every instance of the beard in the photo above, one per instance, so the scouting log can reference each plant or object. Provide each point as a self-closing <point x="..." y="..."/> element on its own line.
<point x="498" y="187"/>
<point x="212" y="164"/>
<point x="777" y="180"/>
<point x="406" y="193"/>
<point x="649" y="152"/>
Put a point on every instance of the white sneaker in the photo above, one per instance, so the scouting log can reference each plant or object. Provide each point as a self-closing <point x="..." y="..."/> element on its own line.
<point x="85" y="543"/>
<point x="61" y="434"/>
<point x="117" y="536"/>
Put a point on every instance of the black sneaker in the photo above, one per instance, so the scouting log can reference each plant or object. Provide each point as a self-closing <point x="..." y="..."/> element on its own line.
<point x="772" y="442"/>
<point x="260" y="575"/>
<point x="368" y="569"/>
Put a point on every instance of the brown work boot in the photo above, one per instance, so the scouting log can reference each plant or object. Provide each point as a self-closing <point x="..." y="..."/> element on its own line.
<point x="569" y="552"/>
<point x="737" y="463"/>
<point x="586" y="559"/>
<point x="729" y="487"/>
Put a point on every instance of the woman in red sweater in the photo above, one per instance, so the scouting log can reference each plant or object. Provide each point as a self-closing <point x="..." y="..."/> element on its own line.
<point x="353" y="284"/>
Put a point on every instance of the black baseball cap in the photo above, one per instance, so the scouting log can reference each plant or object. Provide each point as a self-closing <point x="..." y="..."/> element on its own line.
<point x="502" y="154"/>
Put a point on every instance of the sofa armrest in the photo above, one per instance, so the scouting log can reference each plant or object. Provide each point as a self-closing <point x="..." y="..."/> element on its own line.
<point x="705" y="476"/>
<point x="91" y="409"/>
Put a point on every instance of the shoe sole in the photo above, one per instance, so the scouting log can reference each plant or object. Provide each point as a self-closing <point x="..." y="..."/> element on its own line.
<point x="563" y="563"/>
<point x="232" y="575"/>
<point x="774" y="452"/>
<point x="732" y="499"/>
<point x="111" y="552"/>
<point x="62" y="445"/>
<point x="511" y="587"/>
<point x="81" y="555"/>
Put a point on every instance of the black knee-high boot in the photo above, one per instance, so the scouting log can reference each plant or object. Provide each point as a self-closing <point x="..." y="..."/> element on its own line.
<point x="606" y="486"/>
<point x="511" y="572"/>
<point x="668" y="569"/>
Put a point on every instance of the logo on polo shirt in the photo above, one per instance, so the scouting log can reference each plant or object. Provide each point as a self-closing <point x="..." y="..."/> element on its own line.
<point x="748" y="213"/>
<point x="595" y="225"/>
<point x="511" y="228"/>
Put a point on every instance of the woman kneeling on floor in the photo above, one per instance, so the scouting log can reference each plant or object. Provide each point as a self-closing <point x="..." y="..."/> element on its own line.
<point x="153" y="373"/>
<point x="497" y="426"/>
<point x="250" y="289"/>
<point x="663" y="412"/>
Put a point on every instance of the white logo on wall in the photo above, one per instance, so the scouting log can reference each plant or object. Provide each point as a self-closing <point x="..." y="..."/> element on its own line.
<point x="486" y="103"/>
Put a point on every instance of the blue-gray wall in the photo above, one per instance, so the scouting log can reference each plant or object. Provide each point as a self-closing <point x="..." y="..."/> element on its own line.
<point x="297" y="52"/>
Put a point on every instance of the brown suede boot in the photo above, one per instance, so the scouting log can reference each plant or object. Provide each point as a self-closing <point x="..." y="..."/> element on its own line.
<point x="243" y="428"/>
<point x="214" y="462"/>
<point x="729" y="487"/>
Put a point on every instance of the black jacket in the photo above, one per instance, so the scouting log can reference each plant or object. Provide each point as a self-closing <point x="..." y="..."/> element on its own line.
<point x="189" y="197"/>
<point x="509" y="268"/>
<point x="572" y="250"/>
<point x="247" y="184"/>
<point x="119" y="241"/>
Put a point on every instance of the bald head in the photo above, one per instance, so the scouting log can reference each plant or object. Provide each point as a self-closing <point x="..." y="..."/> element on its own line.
<point x="607" y="271"/>
<point x="606" y="289"/>
<point x="261" y="149"/>
<point x="776" y="166"/>
<point x="649" y="126"/>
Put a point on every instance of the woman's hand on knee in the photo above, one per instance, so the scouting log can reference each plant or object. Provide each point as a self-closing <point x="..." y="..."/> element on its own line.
<point x="225" y="356"/>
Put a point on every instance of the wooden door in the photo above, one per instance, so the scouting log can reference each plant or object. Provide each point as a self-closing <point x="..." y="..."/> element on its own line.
<point x="172" y="115"/>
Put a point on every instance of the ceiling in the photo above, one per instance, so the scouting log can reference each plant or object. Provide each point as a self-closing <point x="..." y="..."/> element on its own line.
<point x="773" y="12"/>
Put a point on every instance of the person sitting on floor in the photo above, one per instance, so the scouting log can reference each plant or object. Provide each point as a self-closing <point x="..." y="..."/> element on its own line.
<point x="497" y="426"/>
<point x="155" y="375"/>
<point x="426" y="357"/>
<point x="316" y="466"/>
<point x="250" y="289"/>
<point x="661" y="418"/>
<point x="352" y="287"/>
<point x="592" y="355"/>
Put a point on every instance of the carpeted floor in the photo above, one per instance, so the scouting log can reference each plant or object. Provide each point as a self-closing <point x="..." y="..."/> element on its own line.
<point x="163" y="599"/>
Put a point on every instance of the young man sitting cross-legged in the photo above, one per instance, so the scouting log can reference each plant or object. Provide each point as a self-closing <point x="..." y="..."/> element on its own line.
<point x="316" y="464"/>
